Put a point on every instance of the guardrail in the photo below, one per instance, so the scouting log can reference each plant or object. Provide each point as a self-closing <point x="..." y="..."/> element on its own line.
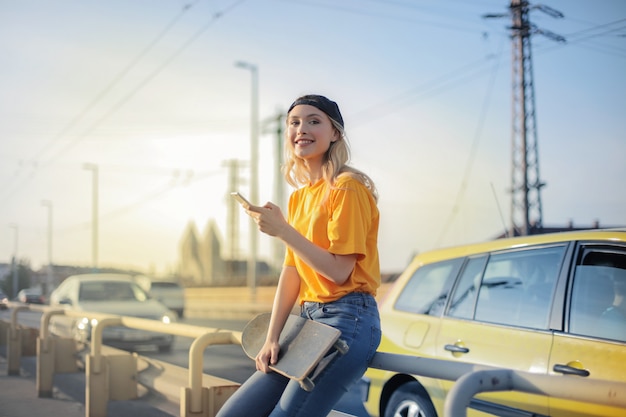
<point x="195" y="399"/>
<point x="473" y="379"/>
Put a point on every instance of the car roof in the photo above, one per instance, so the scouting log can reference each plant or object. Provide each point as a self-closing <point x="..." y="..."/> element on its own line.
<point x="102" y="277"/>
<point x="618" y="235"/>
<point x="156" y="279"/>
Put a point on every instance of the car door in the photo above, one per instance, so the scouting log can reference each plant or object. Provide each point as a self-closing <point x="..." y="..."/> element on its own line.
<point x="498" y="316"/>
<point x="593" y="343"/>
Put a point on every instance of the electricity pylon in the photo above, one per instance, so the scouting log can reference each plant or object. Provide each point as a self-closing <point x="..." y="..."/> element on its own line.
<point x="526" y="184"/>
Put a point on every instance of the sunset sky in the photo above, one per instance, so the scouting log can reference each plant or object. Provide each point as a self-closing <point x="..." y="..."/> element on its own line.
<point x="148" y="91"/>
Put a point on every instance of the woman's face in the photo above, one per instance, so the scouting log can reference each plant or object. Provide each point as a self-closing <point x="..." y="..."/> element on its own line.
<point x="310" y="132"/>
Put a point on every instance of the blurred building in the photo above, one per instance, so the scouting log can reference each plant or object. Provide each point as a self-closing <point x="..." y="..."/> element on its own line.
<point x="202" y="263"/>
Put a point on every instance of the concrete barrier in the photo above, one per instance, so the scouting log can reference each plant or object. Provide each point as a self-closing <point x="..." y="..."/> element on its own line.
<point x="237" y="303"/>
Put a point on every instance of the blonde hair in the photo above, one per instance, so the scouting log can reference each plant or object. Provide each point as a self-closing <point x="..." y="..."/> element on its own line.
<point x="335" y="164"/>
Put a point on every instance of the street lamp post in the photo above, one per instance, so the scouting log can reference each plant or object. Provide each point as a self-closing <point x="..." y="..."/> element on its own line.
<point x="48" y="204"/>
<point x="254" y="169"/>
<point x="14" y="261"/>
<point x="94" y="215"/>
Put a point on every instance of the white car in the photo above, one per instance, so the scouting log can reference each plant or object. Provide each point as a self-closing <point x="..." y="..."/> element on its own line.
<point x="116" y="294"/>
<point x="167" y="291"/>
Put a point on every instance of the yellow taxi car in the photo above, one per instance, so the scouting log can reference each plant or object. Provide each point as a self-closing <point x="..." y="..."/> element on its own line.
<point x="551" y="304"/>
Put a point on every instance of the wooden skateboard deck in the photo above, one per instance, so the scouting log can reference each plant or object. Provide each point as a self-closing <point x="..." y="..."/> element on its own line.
<point x="303" y="345"/>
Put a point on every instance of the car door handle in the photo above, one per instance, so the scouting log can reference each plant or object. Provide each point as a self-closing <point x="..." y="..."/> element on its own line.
<point x="570" y="370"/>
<point x="456" y="349"/>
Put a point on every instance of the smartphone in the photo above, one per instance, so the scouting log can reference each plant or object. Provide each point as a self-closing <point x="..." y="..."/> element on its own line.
<point x="241" y="199"/>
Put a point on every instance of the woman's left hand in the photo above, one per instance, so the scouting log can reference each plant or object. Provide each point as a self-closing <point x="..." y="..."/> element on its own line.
<point x="269" y="218"/>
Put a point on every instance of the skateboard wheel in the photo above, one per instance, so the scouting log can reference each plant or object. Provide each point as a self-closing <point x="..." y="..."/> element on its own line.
<point x="341" y="346"/>
<point x="307" y="384"/>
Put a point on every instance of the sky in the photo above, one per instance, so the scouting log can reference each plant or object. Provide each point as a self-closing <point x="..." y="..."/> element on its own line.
<point x="148" y="91"/>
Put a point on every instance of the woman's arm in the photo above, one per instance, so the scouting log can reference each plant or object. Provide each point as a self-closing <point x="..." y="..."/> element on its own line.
<point x="336" y="268"/>
<point x="284" y="300"/>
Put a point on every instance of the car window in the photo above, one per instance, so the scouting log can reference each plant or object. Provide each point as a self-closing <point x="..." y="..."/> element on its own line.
<point x="517" y="287"/>
<point x="598" y="305"/>
<point x="426" y="291"/>
<point x="156" y="285"/>
<point x="464" y="297"/>
<point x="512" y="288"/>
<point x="110" y="291"/>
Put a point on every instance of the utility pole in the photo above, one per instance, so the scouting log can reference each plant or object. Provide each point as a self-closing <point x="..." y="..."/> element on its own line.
<point x="232" y="221"/>
<point x="14" y="262"/>
<point x="254" y="170"/>
<point x="526" y="184"/>
<point x="94" y="214"/>
<point x="278" y="248"/>
<point x="48" y="288"/>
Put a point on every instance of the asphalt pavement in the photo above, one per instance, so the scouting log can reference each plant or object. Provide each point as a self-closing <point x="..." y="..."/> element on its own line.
<point x="18" y="396"/>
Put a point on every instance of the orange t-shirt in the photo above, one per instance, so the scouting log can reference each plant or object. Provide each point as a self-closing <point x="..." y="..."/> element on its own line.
<point x="344" y="220"/>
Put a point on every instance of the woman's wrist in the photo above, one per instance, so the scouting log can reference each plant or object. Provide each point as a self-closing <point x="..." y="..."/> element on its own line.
<point x="285" y="233"/>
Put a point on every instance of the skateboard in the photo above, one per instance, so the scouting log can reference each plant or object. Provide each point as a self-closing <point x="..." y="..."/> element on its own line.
<point x="304" y="345"/>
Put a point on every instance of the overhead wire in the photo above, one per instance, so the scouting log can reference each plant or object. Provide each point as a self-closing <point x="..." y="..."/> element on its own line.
<point x="473" y="150"/>
<point x="119" y="104"/>
<point x="114" y="82"/>
<point x="146" y="80"/>
<point x="117" y="79"/>
<point x="191" y="178"/>
<point x="428" y="88"/>
<point x="378" y="15"/>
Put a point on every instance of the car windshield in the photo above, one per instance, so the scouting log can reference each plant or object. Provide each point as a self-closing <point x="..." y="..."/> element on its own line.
<point x="111" y="291"/>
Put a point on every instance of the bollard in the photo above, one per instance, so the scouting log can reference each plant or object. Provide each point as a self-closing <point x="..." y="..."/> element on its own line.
<point x="14" y="343"/>
<point x="97" y="386"/>
<point x="14" y="351"/>
<point x="45" y="367"/>
<point x="54" y="355"/>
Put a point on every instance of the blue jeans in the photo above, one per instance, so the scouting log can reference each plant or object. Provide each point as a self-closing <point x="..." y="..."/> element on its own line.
<point x="273" y="395"/>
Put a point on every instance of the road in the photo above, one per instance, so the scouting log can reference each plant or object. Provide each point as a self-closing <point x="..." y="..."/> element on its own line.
<point x="224" y="361"/>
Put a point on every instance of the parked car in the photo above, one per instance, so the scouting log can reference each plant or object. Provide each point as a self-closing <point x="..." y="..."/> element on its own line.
<point x="116" y="294"/>
<point x="167" y="291"/>
<point x="3" y="301"/>
<point x="549" y="304"/>
<point x="31" y="296"/>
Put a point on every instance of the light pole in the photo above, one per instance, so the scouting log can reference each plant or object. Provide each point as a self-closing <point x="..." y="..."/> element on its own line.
<point x="94" y="215"/>
<point x="48" y="204"/>
<point x="254" y="168"/>
<point x="14" y="261"/>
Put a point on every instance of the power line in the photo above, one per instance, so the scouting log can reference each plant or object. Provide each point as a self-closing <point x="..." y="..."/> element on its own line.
<point x="378" y="15"/>
<point x="133" y="92"/>
<point x="581" y="37"/>
<point x="147" y="79"/>
<point x="429" y="88"/>
<point x="189" y="179"/>
<point x="116" y="80"/>
<point x="473" y="151"/>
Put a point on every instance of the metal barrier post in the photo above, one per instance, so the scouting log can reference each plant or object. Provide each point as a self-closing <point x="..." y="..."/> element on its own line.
<point x="14" y="343"/>
<point x="97" y="371"/>
<point x="194" y="400"/>
<point x="45" y="356"/>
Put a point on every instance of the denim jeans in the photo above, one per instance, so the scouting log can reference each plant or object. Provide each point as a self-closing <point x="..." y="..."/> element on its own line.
<point x="272" y="395"/>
